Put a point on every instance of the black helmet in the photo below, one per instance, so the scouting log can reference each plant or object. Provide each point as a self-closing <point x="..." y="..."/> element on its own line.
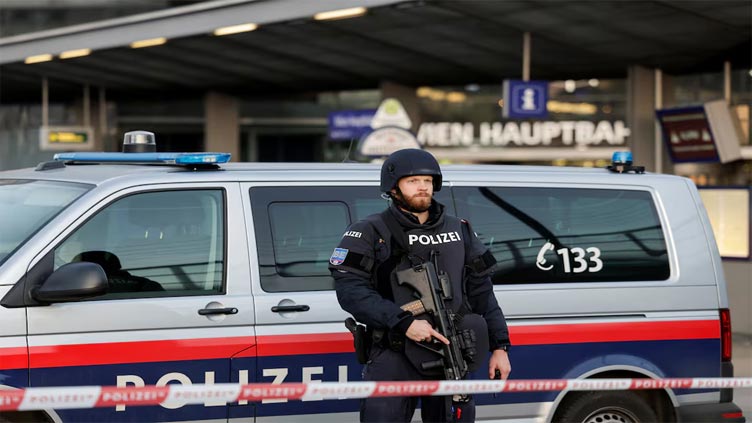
<point x="409" y="162"/>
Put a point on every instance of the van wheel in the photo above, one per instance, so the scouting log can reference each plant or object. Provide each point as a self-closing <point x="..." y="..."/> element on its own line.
<point x="600" y="407"/>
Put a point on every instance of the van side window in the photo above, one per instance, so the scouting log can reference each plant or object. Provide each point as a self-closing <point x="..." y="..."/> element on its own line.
<point x="556" y="235"/>
<point x="166" y="243"/>
<point x="297" y="228"/>
<point x="303" y="234"/>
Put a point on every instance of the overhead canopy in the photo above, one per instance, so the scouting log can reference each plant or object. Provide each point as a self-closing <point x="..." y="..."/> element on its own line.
<point x="441" y="42"/>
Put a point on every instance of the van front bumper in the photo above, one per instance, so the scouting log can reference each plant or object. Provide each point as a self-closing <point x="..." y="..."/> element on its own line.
<point x="726" y="412"/>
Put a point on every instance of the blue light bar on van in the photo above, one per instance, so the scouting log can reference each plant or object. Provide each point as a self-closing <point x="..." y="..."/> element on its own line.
<point x="163" y="158"/>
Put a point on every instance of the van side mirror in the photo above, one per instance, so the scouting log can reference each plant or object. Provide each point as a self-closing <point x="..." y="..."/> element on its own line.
<point x="72" y="282"/>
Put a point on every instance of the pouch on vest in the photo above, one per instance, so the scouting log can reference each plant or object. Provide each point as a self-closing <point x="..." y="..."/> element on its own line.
<point x="472" y="332"/>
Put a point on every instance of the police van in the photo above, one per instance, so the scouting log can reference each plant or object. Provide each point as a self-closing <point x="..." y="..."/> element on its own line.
<point x="138" y="268"/>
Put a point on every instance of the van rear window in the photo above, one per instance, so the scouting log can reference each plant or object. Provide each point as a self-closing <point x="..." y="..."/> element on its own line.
<point x="558" y="235"/>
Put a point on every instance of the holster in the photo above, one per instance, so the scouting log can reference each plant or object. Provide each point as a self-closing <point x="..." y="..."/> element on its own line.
<point x="361" y="341"/>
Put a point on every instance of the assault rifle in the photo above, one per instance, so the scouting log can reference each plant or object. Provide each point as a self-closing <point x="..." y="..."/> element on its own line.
<point x="433" y="289"/>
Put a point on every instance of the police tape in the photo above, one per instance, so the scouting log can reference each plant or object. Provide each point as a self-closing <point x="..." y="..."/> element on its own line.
<point x="111" y="396"/>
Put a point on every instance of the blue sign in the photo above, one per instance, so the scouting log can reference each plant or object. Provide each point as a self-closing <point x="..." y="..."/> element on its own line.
<point x="346" y="125"/>
<point x="525" y="99"/>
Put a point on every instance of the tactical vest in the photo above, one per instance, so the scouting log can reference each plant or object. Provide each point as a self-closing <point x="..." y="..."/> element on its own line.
<point x="446" y="238"/>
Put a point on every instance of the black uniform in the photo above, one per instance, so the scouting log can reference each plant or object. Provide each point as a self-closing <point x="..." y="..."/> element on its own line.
<point x="362" y="265"/>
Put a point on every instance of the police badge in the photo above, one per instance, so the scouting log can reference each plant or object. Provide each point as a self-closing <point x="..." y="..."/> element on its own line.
<point x="338" y="256"/>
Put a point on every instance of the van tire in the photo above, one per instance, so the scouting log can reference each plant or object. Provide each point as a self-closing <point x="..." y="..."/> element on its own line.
<point x="615" y="407"/>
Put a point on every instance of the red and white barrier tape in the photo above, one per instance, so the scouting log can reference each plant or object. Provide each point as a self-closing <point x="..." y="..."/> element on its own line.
<point x="110" y="396"/>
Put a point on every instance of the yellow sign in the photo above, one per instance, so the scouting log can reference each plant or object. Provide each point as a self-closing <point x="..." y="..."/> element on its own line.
<point x="68" y="137"/>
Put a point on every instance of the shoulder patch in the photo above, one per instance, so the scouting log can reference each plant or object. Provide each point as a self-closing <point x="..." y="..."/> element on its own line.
<point x="338" y="256"/>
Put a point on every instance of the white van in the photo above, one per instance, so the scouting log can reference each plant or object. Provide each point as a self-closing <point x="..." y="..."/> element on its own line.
<point x="217" y="273"/>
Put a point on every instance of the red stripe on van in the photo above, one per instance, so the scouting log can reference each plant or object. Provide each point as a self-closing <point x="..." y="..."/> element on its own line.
<point x="140" y="351"/>
<point x="272" y="345"/>
<point x="614" y="332"/>
<point x="320" y="343"/>
<point x="324" y="343"/>
<point x="14" y="358"/>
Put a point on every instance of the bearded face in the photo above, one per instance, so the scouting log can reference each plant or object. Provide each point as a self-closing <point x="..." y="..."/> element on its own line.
<point x="415" y="193"/>
<point x="418" y="203"/>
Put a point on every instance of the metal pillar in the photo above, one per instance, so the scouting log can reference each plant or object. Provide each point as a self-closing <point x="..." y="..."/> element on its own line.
<point x="526" y="56"/>
<point x="658" y="135"/>
<point x="727" y="81"/>
<point x="640" y="115"/>
<point x="222" y="124"/>
<point x="87" y="106"/>
<point x="103" y="129"/>
<point x="45" y="102"/>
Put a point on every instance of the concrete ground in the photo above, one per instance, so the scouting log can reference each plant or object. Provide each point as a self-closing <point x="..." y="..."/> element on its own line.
<point x="741" y="356"/>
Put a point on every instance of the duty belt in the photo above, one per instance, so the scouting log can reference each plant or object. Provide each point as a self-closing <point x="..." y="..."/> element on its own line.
<point x="388" y="339"/>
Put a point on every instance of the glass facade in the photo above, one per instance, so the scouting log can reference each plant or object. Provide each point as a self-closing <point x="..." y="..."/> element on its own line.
<point x="568" y="100"/>
<point x="581" y="114"/>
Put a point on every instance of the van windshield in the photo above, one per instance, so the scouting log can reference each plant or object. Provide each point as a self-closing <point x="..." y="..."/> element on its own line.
<point x="27" y="205"/>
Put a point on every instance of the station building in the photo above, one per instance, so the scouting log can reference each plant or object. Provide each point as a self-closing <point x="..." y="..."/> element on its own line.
<point x="264" y="80"/>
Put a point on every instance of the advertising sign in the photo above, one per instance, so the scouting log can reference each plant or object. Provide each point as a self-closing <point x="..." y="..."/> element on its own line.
<point x="704" y="133"/>
<point x="66" y="138"/>
<point x="391" y="113"/>
<point x="346" y="125"/>
<point x="385" y="141"/>
<point x="525" y="99"/>
<point x="687" y="135"/>
<point x="391" y="131"/>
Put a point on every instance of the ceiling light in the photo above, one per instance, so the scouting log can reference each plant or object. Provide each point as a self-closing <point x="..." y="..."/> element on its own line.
<point x="235" y="29"/>
<point x="570" y="85"/>
<point x="472" y="88"/>
<point x="437" y="95"/>
<point x="75" y="53"/>
<point x="151" y="42"/>
<point x="594" y="82"/>
<point x="554" y="106"/>
<point x="423" y="91"/>
<point x="750" y="72"/>
<point x="340" y="14"/>
<point x="38" y="58"/>
<point x="456" y="97"/>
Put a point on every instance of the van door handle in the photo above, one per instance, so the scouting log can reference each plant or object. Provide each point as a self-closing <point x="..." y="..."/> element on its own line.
<point x="285" y="308"/>
<point x="211" y="311"/>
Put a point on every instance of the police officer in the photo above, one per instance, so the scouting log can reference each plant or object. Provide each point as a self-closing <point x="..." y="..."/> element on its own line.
<point x="414" y="227"/>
